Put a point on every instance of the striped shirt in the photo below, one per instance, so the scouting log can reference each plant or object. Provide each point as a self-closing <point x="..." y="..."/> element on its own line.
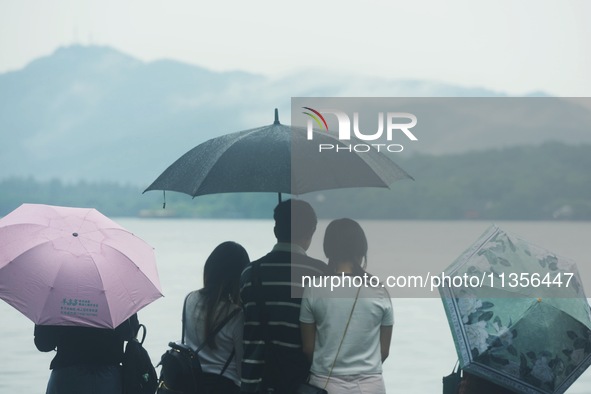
<point x="283" y="313"/>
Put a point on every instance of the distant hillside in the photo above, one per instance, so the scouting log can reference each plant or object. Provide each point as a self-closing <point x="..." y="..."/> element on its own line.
<point x="93" y="113"/>
<point x="545" y="182"/>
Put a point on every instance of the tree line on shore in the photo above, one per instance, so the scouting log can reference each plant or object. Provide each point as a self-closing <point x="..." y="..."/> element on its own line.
<point x="544" y="182"/>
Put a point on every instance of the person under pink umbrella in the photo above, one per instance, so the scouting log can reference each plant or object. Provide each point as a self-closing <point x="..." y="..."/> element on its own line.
<point x="88" y="359"/>
<point x="81" y="278"/>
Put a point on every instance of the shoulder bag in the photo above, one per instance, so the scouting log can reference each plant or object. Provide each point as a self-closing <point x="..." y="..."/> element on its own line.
<point x="181" y="371"/>
<point x="139" y="375"/>
<point x="307" y="388"/>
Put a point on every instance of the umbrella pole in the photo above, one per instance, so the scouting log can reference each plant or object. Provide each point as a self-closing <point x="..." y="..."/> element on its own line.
<point x="277" y="122"/>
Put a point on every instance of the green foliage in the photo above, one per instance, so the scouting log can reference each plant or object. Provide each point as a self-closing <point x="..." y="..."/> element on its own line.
<point x="550" y="181"/>
<point x="110" y="198"/>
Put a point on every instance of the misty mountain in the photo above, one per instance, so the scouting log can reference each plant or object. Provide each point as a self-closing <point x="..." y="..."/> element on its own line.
<point x="94" y="113"/>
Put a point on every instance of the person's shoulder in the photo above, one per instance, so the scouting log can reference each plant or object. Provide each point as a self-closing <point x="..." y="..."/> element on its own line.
<point x="238" y="313"/>
<point x="246" y="274"/>
<point x="274" y="256"/>
<point x="192" y="300"/>
<point x="314" y="261"/>
<point x="193" y="295"/>
<point x="247" y="269"/>
<point x="379" y="292"/>
<point x="48" y="330"/>
<point x="316" y="264"/>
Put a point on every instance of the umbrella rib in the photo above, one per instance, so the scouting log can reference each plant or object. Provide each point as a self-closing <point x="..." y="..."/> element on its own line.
<point x="142" y="301"/>
<point x="563" y="311"/>
<point x="143" y="274"/>
<point x="91" y="255"/>
<point x="83" y="220"/>
<point x="52" y="285"/>
<point x="120" y="279"/>
<point x="124" y="283"/>
<point x="49" y="286"/>
<point x="242" y="135"/>
<point x="20" y="253"/>
<point x="258" y="160"/>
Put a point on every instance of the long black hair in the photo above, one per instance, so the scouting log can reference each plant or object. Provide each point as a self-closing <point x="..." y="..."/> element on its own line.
<point x="221" y="283"/>
<point x="345" y="241"/>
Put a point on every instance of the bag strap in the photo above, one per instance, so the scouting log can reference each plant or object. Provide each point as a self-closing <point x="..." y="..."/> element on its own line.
<point x="138" y="333"/>
<point x="215" y="330"/>
<point x="218" y="328"/>
<point x="228" y="361"/>
<point x="132" y="331"/>
<point x="184" y="318"/>
<point x="343" y="338"/>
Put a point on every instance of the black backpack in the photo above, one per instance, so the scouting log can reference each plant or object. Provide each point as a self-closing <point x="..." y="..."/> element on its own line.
<point x="181" y="371"/>
<point x="139" y="375"/>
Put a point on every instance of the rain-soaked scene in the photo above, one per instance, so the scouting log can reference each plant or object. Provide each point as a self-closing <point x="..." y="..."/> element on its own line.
<point x="295" y="198"/>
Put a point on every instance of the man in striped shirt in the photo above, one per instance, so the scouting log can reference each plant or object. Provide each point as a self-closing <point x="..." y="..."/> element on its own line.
<point x="271" y="291"/>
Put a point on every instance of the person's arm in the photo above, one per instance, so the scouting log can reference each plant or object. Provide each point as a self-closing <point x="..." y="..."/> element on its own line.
<point x="308" y="339"/>
<point x="307" y="325"/>
<point x="386" y="326"/>
<point x="45" y="338"/>
<point x="385" y="339"/>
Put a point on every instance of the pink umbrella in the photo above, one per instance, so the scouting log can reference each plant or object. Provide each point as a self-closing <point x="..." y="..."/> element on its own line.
<point x="74" y="267"/>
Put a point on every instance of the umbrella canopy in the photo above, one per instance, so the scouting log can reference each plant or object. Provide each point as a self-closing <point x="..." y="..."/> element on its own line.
<point x="74" y="267"/>
<point x="519" y="327"/>
<point x="275" y="158"/>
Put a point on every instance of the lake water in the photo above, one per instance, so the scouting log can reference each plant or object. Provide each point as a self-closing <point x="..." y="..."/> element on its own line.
<point x="422" y="349"/>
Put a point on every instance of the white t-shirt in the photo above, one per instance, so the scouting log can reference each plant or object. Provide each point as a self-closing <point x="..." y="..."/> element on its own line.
<point x="229" y="337"/>
<point x="360" y="352"/>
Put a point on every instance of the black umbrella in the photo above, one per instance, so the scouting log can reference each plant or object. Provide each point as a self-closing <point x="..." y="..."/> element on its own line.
<point x="276" y="158"/>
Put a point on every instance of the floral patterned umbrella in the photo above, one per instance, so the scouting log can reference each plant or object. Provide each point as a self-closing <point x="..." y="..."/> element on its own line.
<point x="520" y="318"/>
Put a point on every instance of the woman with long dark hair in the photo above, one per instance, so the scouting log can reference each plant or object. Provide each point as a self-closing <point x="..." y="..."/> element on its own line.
<point x="346" y="331"/>
<point x="207" y="309"/>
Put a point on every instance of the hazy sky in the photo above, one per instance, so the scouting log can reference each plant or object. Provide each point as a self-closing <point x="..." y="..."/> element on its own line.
<point x="515" y="46"/>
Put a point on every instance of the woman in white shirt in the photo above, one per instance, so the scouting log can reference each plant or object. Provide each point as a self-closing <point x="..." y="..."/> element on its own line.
<point x="346" y="332"/>
<point x="206" y="308"/>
